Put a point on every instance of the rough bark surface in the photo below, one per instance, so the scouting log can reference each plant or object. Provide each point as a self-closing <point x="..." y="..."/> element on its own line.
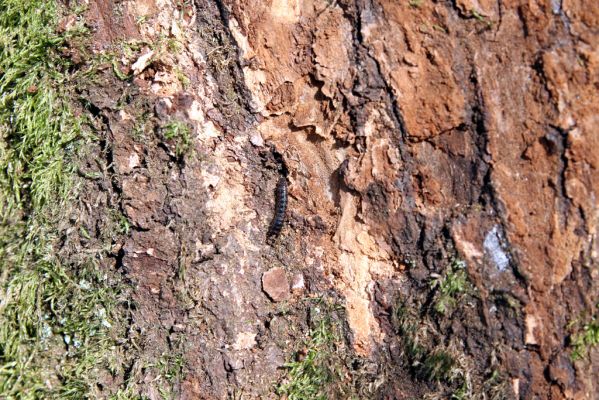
<point x="411" y="134"/>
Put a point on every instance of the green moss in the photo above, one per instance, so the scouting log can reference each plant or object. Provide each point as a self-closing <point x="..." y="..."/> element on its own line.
<point x="179" y="133"/>
<point x="436" y="366"/>
<point x="185" y="81"/>
<point x="118" y="72"/>
<point x="170" y="368"/>
<point x="481" y="18"/>
<point x="450" y="287"/>
<point x="310" y="374"/>
<point x="37" y="128"/>
<point x="127" y="394"/>
<point x="426" y="354"/>
<point x="55" y="316"/>
<point x="315" y="372"/>
<point x="585" y="339"/>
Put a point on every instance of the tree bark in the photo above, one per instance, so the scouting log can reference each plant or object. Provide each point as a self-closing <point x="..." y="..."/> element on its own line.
<point x="418" y="139"/>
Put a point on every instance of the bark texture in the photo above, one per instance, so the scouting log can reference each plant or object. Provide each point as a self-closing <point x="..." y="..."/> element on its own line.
<point x="411" y="134"/>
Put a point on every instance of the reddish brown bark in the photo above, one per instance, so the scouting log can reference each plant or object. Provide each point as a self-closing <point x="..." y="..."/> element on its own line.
<point x="412" y="134"/>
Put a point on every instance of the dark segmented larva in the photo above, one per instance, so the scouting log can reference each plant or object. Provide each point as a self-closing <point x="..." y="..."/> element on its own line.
<point x="280" y="207"/>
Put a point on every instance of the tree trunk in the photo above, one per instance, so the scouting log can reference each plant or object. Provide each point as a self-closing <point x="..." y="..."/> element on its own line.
<point x="440" y="159"/>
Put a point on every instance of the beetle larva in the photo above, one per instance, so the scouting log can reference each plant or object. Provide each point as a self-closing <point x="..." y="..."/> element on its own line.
<point x="280" y="207"/>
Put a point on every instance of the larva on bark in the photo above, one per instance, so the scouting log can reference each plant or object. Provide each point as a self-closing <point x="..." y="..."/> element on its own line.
<point x="280" y="207"/>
